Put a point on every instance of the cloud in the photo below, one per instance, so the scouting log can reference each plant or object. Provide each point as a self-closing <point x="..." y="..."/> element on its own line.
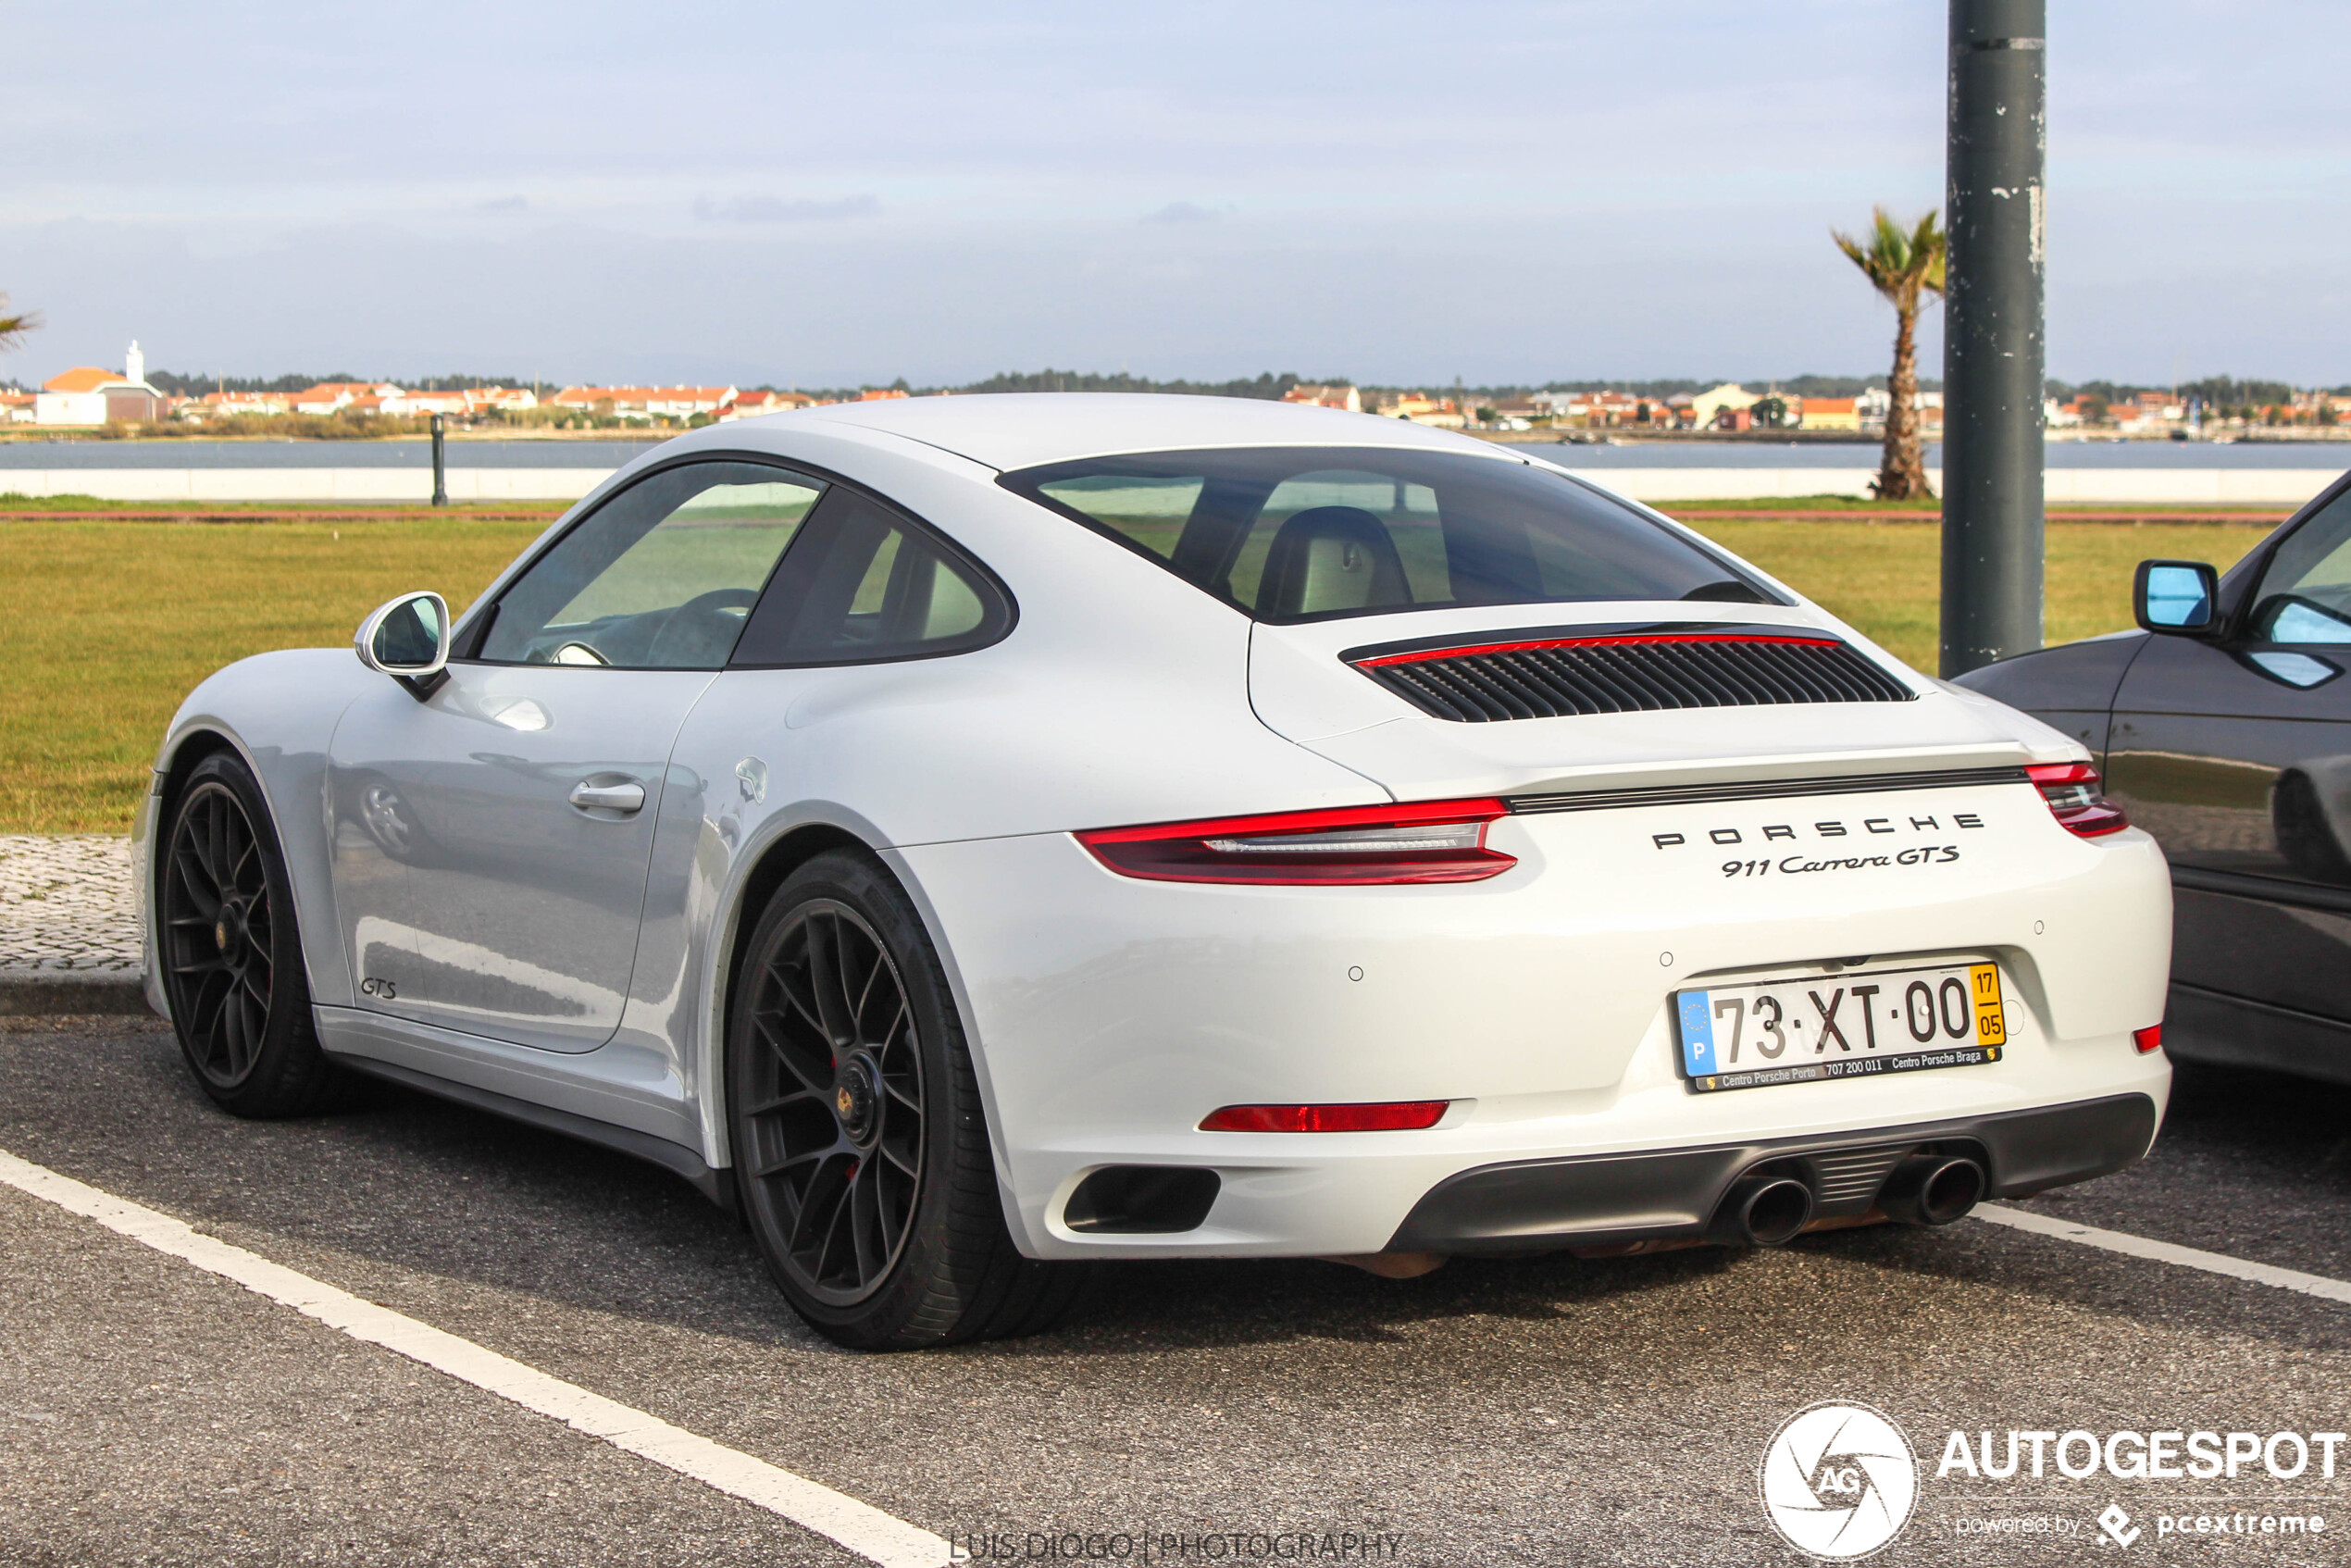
<point x="504" y="204"/>
<point x="775" y="209"/>
<point x="1180" y="212"/>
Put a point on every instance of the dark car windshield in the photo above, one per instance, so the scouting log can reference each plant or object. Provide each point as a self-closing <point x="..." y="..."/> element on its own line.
<point x="1313" y="533"/>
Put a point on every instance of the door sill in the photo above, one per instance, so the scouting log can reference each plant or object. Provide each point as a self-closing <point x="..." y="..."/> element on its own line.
<point x="675" y="1158"/>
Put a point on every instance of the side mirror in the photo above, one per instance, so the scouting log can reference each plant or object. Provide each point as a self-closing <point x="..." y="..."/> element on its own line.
<point x="2179" y="597"/>
<point x="408" y="639"/>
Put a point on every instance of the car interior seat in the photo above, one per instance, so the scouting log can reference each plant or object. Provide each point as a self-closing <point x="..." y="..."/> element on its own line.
<point x="1330" y="558"/>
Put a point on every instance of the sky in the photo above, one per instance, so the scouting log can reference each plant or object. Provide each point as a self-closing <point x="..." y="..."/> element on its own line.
<point x="1505" y="192"/>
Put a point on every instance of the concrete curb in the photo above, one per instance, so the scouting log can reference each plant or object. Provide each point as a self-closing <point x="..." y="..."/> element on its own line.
<point x="27" y="993"/>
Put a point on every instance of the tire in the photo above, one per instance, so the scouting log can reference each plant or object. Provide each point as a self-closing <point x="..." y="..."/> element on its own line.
<point x="861" y="1147"/>
<point x="232" y="953"/>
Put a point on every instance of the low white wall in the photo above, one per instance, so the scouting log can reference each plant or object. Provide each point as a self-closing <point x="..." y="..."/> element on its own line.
<point x="301" y="484"/>
<point x="2266" y="487"/>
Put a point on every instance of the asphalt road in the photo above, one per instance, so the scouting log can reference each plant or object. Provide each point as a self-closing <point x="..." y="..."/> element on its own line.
<point x="1543" y="1411"/>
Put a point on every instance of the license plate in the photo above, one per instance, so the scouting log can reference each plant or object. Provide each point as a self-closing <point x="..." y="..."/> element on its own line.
<point x="1854" y="1026"/>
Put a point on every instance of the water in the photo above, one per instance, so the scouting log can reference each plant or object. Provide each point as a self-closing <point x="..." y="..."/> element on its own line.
<point x="1858" y="454"/>
<point x="316" y="454"/>
<point x="1633" y="455"/>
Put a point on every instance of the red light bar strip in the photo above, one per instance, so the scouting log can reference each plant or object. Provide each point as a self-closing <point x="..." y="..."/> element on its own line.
<point x="1470" y="650"/>
<point x="1409" y="1115"/>
<point x="1410" y="814"/>
<point x="1238" y="849"/>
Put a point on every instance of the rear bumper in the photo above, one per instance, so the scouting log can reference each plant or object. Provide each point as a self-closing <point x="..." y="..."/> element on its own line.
<point x="1110" y="1015"/>
<point x="1613" y="1200"/>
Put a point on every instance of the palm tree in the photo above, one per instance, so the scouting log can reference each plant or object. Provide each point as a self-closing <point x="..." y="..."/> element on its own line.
<point x="1904" y="266"/>
<point x="14" y="328"/>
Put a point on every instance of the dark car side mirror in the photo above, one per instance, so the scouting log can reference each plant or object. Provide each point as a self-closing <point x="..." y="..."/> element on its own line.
<point x="2178" y="597"/>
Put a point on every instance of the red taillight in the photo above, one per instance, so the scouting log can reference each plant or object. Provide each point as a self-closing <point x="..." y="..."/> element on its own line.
<point x="1425" y="842"/>
<point x="2148" y="1039"/>
<point x="1407" y="1115"/>
<point x="2072" y="790"/>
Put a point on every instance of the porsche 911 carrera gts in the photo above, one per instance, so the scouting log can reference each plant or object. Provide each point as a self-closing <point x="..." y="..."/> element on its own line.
<point x="976" y="836"/>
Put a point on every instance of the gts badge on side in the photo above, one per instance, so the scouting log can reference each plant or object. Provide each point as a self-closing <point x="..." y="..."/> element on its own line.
<point x="371" y="986"/>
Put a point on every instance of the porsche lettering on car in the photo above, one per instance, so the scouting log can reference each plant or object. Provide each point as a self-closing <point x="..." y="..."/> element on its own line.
<point x="978" y="837"/>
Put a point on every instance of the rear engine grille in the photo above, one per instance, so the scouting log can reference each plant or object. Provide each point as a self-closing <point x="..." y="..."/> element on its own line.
<point x="1553" y="677"/>
<point x="1850" y="1178"/>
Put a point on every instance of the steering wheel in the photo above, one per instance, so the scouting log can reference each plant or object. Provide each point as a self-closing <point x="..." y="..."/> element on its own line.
<point x="700" y="616"/>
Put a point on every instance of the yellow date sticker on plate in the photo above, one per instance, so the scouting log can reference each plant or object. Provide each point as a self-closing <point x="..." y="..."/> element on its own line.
<point x="1991" y="1022"/>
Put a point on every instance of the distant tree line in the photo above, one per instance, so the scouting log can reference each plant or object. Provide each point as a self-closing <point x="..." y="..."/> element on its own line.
<point x="2219" y="391"/>
<point x="179" y="385"/>
<point x="1267" y="386"/>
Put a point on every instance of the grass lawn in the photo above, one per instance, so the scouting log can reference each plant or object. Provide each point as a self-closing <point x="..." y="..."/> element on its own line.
<point x="108" y="625"/>
<point x="1886" y="578"/>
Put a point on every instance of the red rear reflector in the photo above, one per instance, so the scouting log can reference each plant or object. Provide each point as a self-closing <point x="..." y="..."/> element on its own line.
<point x="1421" y="841"/>
<point x="2148" y="1039"/>
<point x="2072" y="790"/>
<point x="1406" y="1115"/>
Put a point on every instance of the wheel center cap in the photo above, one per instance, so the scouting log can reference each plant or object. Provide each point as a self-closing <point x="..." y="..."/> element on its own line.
<point x="854" y="1097"/>
<point x="228" y="926"/>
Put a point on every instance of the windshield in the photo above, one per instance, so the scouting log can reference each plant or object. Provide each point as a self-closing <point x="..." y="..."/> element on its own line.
<point x="1314" y="533"/>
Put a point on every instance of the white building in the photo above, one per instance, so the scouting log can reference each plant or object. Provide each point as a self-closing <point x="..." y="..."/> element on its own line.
<point x="1347" y="398"/>
<point x="332" y="397"/>
<point x="88" y="395"/>
<point x="1706" y="404"/>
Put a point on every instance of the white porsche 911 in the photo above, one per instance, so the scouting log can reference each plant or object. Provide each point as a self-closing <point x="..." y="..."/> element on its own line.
<point x="978" y="835"/>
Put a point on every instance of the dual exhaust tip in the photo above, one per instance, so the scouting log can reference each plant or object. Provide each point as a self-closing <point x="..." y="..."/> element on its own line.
<point x="1924" y="1189"/>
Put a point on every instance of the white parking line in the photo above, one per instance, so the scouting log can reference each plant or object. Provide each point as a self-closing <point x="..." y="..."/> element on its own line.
<point x="863" y="1529"/>
<point x="2131" y="1246"/>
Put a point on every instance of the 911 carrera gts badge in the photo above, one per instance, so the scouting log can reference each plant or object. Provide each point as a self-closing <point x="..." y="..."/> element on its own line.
<point x="371" y="986"/>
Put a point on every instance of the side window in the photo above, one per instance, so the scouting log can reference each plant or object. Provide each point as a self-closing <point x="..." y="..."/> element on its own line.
<point x="868" y="586"/>
<point x="1148" y="511"/>
<point x="2306" y="589"/>
<point x="661" y="576"/>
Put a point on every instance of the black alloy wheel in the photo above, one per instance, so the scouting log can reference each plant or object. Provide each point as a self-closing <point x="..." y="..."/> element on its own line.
<point x="219" y="945"/>
<point x="859" y="1145"/>
<point x="836" y="1105"/>
<point x="230" y="955"/>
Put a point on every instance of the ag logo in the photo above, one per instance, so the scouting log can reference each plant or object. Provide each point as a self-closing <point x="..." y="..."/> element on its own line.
<point x="1838" y="1481"/>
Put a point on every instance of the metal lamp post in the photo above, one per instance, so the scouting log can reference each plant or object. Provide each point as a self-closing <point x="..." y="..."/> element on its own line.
<point x="1994" y="353"/>
<point x="440" y="475"/>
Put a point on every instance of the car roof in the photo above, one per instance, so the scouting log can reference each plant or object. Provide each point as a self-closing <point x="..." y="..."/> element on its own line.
<point x="1007" y="430"/>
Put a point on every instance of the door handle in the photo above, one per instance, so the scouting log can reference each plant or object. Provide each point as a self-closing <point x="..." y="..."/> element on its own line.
<point x="623" y="798"/>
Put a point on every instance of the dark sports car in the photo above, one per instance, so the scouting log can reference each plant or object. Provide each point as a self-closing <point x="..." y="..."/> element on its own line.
<point x="2223" y="727"/>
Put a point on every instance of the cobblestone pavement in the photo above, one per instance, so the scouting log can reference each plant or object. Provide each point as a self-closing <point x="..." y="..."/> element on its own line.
<point x="66" y="905"/>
